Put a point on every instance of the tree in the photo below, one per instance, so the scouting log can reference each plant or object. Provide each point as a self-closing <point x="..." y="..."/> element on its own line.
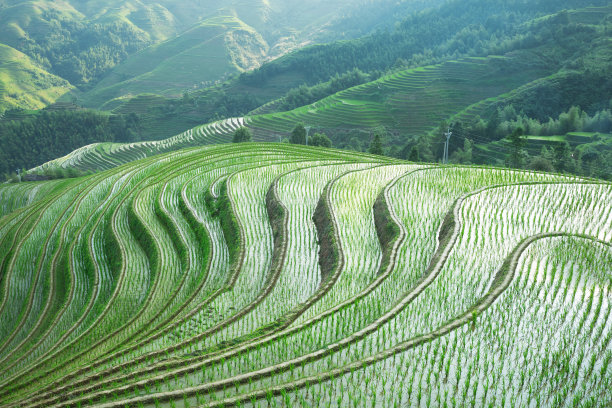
<point x="241" y="135"/>
<point x="570" y="121"/>
<point x="376" y="145"/>
<point x="491" y="130"/>
<point x="540" y="163"/>
<point x="320" y="139"/>
<point x="547" y="153"/>
<point x="424" y="147"/>
<point x="413" y="156"/>
<point x="464" y="155"/>
<point x="602" y="166"/>
<point x="298" y="134"/>
<point x="518" y="155"/>
<point x="564" y="160"/>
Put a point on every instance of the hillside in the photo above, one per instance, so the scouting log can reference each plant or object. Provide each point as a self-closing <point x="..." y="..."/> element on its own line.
<point x="539" y="77"/>
<point x="83" y="41"/>
<point x="408" y="100"/>
<point x="510" y="27"/>
<point x="55" y="131"/>
<point x="407" y="104"/>
<point x="278" y="275"/>
<point x="24" y="84"/>
<point x="533" y="73"/>
<point x="203" y="54"/>
<point x="322" y="203"/>
<point x="239" y="37"/>
<point x="66" y="42"/>
<point x="412" y="102"/>
<point x="132" y="46"/>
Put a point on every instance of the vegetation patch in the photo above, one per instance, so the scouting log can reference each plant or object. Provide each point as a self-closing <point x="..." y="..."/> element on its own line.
<point x="230" y="225"/>
<point x="329" y="251"/>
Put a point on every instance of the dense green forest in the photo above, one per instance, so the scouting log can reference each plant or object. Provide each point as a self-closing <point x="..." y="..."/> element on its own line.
<point x="81" y="52"/>
<point x="70" y="47"/>
<point x="459" y="27"/>
<point x="50" y="134"/>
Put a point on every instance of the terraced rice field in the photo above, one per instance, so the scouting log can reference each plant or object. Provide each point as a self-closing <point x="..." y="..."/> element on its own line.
<point x="411" y="102"/>
<point x="272" y="275"/>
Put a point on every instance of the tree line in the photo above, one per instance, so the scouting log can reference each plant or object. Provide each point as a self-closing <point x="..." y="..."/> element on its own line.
<point x="305" y="95"/>
<point x="47" y="135"/>
<point x="299" y="135"/>
<point x="473" y="142"/>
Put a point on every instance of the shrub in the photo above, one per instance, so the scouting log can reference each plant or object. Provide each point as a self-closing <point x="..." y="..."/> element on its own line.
<point x="242" y="135"/>
<point x="320" y="139"/>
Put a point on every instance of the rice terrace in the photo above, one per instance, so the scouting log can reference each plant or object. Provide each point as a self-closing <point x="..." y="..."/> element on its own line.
<point x="319" y="203"/>
<point x="280" y="275"/>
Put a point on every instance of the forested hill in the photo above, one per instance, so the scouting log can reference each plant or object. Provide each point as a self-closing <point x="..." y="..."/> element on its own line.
<point x="493" y="105"/>
<point x="82" y="41"/>
<point x="537" y="60"/>
<point x="454" y="29"/>
<point x="24" y="83"/>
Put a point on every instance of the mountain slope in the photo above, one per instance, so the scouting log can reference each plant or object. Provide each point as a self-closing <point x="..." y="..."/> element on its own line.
<point x="238" y="37"/>
<point x="81" y="41"/>
<point x="207" y="52"/>
<point x="411" y="103"/>
<point x="453" y="30"/>
<point x="24" y="84"/>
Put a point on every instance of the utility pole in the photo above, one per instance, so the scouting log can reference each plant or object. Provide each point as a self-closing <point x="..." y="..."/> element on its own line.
<point x="307" y="133"/>
<point x="448" y="135"/>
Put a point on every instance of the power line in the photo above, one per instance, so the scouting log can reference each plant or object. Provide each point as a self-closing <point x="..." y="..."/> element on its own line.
<point x="448" y="135"/>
